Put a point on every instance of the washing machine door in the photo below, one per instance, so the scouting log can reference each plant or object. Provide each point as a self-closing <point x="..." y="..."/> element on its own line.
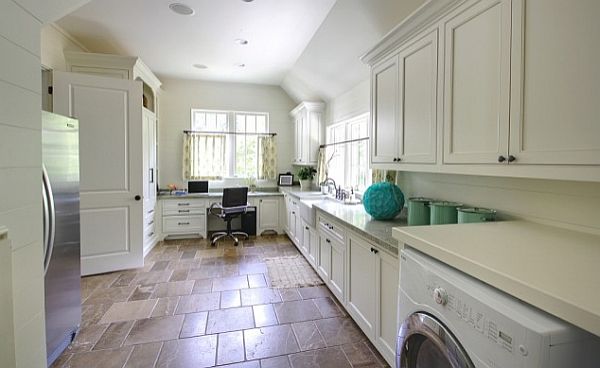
<point x="424" y="342"/>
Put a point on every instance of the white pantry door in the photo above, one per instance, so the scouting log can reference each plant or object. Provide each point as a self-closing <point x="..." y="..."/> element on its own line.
<point x="109" y="111"/>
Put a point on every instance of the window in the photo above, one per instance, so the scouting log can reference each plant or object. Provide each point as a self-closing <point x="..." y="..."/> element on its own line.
<point x="349" y="162"/>
<point x="239" y="155"/>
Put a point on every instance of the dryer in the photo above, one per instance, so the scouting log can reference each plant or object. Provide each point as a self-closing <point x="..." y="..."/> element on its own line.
<point x="451" y="320"/>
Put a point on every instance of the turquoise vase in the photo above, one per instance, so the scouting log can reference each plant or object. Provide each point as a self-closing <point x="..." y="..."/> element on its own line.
<point x="383" y="201"/>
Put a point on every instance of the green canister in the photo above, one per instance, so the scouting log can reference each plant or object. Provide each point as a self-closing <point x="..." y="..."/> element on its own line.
<point x="444" y="213"/>
<point x="418" y="211"/>
<point x="472" y="214"/>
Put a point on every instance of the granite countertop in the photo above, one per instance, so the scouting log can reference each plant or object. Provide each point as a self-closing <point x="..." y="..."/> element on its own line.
<point x="218" y="195"/>
<point x="551" y="268"/>
<point x="357" y="218"/>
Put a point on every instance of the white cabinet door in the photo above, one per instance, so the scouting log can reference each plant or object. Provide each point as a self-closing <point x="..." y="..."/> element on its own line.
<point x="313" y="250"/>
<point x="149" y="144"/>
<point x="305" y="248"/>
<point x="361" y="299"/>
<point x="298" y="138"/>
<point x="324" y="261"/>
<point x="555" y="83"/>
<point x="268" y="214"/>
<point x="299" y="232"/>
<point x="338" y="270"/>
<point x="418" y="100"/>
<point x="312" y="131"/>
<point x="477" y="82"/>
<point x="384" y="91"/>
<point x="109" y="111"/>
<point x="387" y="301"/>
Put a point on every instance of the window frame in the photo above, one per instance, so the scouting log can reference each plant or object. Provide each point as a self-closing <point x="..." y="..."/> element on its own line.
<point x="348" y="123"/>
<point x="230" y="140"/>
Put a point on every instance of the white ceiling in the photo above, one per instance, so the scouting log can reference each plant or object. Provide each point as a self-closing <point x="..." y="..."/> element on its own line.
<point x="311" y="48"/>
<point x="277" y="30"/>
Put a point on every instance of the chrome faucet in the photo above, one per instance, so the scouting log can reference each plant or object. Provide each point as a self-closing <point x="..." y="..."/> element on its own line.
<point x="328" y="181"/>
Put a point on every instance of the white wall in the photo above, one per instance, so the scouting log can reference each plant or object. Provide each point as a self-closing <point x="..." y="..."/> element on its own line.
<point x="178" y="97"/>
<point x="20" y="170"/>
<point x="54" y="41"/>
<point x="349" y="104"/>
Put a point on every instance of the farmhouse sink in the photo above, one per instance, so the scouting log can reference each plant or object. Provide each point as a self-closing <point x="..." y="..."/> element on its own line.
<point x="307" y="212"/>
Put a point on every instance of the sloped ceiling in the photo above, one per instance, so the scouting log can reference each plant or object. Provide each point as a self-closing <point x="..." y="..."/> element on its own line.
<point x="330" y="65"/>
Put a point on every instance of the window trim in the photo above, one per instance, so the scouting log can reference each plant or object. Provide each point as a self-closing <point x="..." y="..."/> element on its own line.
<point x="230" y="140"/>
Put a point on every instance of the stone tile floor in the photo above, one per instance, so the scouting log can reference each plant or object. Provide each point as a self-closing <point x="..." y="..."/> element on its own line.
<point x="192" y="305"/>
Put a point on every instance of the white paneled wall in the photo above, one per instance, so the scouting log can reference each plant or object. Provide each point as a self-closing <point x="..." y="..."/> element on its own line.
<point x="20" y="189"/>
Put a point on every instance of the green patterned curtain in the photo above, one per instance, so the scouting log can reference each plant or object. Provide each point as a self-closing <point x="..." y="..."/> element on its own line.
<point x="203" y="156"/>
<point x="321" y="166"/>
<point x="379" y="175"/>
<point x="267" y="164"/>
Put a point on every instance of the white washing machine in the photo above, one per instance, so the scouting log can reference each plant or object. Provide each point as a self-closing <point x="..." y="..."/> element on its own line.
<point x="451" y="320"/>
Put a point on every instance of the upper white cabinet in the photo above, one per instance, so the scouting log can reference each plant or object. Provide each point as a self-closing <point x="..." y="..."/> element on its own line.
<point x="308" y="132"/>
<point x="555" y="107"/>
<point x="489" y="87"/>
<point x="476" y="82"/>
<point x="404" y="103"/>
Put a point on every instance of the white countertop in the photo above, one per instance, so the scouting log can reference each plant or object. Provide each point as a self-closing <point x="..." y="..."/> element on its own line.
<point x="554" y="269"/>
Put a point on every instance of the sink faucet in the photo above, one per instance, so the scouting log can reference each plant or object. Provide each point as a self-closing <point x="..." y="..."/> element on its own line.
<point x="328" y="181"/>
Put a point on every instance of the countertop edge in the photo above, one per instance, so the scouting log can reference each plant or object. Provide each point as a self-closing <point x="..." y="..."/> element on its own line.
<point x="390" y="248"/>
<point x="519" y="289"/>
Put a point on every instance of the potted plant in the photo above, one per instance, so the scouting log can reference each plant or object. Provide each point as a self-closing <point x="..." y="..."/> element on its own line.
<point x="306" y="175"/>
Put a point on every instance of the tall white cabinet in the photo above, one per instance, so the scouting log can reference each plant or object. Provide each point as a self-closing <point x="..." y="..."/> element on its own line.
<point x="514" y="92"/>
<point x="307" y="118"/>
<point x="131" y="68"/>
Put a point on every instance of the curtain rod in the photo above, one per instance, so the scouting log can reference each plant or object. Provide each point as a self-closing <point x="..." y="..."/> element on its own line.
<point x="344" y="142"/>
<point x="234" y="133"/>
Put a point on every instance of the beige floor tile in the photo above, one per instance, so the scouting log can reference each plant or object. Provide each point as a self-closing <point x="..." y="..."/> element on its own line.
<point x="230" y="283"/>
<point x="339" y="331"/>
<point x="308" y="336"/>
<point x="114" y="335"/>
<point x="329" y="357"/>
<point x="264" y="315"/>
<point x="266" y="342"/>
<point x="230" y="299"/>
<point x="276" y="362"/>
<point x="260" y="296"/>
<point x="109" y="295"/>
<point x="176" y="288"/>
<point x="127" y="311"/>
<point x="232" y="319"/>
<point x="297" y="311"/>
<point x="194" y="325"/>
<point x="155" y="329"/>
<point x="165" y="306"/>
<point x="198" y="303"/>
<point x="230" y="347"/>
<point x="195" y="352"/>
<point x="144" y="355"/>
<point x="100" y="359"/>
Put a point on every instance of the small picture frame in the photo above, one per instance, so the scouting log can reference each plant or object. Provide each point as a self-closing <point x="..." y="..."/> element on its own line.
<point x="285" y="180"/>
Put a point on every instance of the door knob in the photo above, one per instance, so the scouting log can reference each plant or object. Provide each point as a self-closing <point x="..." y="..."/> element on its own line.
<point x="137" y="197"/>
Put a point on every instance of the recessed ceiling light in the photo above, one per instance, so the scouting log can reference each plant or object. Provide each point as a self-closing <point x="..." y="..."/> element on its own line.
<point x="240" y="65"/>
<point x="181" y="9"/>
<point x="241" y="41"/>
<point x="200" y="66"/>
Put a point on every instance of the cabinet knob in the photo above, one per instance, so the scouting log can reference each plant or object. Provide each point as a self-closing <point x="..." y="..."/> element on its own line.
<point x="501" y="158"/>
<point x="328" y="241"/>
<point x="137" y="197"/>
<point x="395" y="159"/>
<point x="306" y="228"/>
<point x="511" y="158"/>
<point x="399" y="159"/>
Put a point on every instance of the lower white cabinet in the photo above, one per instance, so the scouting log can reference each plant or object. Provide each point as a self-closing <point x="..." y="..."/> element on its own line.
<point x="362" y="279"/>
<point x="338" y="269"/>
<point x="372" y="298"/>
<point x="387" y="277"/>
<point x="332" y="256"/>
<point x="186" y="216"/>
<point x="268" y="215"/>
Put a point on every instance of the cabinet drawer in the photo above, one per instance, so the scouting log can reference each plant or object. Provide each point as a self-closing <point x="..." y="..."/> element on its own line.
<point x="183" y="211"/>
<point x="183" y="203"/>
<point x="332" y="228"/>
<point x="184" y="224"/>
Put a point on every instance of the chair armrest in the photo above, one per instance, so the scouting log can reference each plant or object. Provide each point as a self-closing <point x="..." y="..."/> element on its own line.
<point x="216" y="209"/>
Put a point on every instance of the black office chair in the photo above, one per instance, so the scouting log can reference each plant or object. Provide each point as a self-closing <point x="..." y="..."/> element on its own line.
<point x="234" y="204"/>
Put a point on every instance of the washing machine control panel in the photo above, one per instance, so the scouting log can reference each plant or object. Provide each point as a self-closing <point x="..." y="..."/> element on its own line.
<point x="468" y="312"/>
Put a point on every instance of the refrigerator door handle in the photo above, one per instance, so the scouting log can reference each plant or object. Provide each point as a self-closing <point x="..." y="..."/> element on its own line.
<point x="49" y="219"/>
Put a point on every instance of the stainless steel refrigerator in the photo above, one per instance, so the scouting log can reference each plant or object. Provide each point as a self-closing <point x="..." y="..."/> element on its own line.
<point x="60" y="190"/>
